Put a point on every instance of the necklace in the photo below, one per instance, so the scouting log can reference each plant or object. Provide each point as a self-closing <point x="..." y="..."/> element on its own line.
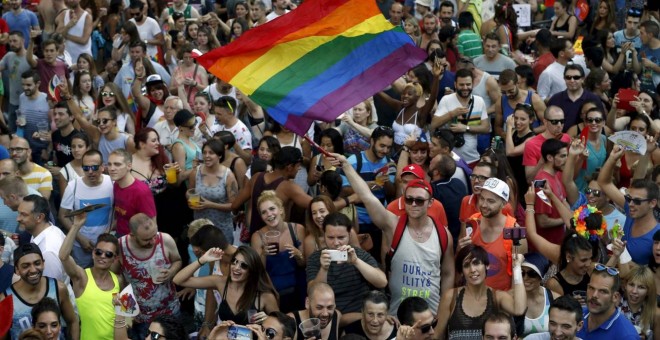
<point x="419" y="233"/>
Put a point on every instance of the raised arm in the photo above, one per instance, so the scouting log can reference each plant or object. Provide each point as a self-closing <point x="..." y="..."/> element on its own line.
<point x="438" y="69"/>
<point x="548" y="249"/>
<point x="605" y="177"/>
<point x="516" y="304"/>
<point x="75" y="272"/>
<point x="185" y="278"/>
<point x="77" y="113"/>
<point x="511" y="149"/>
<point x="136" y="87"/>
<point x="574" y="151"/>
<point x="29" y="55"/>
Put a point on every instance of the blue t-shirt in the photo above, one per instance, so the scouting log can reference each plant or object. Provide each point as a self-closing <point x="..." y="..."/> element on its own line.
<point x="4" y="154"/>
<point x="23" y="22"/>
<point x="648" y="77"/>
<point x="368" y="173"/>
<point x="620" y="38"/>
<point x="616" y="327"/>
<point x="640" y="248"/>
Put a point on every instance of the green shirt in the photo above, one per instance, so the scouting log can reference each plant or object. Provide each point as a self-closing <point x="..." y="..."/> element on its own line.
<point x="469" y="44"/>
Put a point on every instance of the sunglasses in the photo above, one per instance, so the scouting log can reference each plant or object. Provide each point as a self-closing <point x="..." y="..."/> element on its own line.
<point x="426" y="328"/>
<point x="416" y="200"/>
<point x="270" y="333"/>
<point x="572" y="77"/>
<point x="243" y="265"/>
<point x="479" y="178"/>
<point x="611" y="271"/>
<point x="107" y="94"/>
<point x="530" y="274"/>
<point x="594" y="120"/>
<point x="103" y="121"/>
<point x="556" y="121"/>
<point x="635" y="12"/>
<point x="636" y="201"/>
<point x="155" y="336"/>
<point x="108" y="254"/>
<point x="594" y="192"/>
<point x="91" y="167"/>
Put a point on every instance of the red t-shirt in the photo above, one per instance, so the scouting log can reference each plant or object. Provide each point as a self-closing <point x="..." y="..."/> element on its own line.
<point x="541" y="64"/>
<point x="532" y="152"/>
<point x="554" y="234"/>
<point x="135" y="198"/>
<point x="4" y="28"/>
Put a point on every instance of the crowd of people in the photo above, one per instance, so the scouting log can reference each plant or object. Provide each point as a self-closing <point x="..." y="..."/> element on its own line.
<point x="488" y="193"/>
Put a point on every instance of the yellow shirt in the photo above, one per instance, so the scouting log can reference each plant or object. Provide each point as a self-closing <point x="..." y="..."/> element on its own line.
<point x="97" y="314"/>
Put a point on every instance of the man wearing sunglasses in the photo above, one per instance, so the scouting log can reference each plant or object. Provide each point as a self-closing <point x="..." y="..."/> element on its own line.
<point x="605" y="320"/>
<point x="93" y="188"/>
<point x="572" y="99"/>
<point x="553" y="122"/>
<point x="97" y="282"/>
<point x="417" y="320"/>
<point x="638" y="205"/>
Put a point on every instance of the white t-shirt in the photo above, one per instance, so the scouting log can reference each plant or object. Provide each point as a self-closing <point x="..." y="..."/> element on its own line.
<point x="468" y="151"/>
<point x="148" y="31"/>
<point x="273" y="15"/>
<point x="551" y="81"/>
<point x="241" y="133"/>
<point x="78" y="195"/>
<point x="50" y="241"/>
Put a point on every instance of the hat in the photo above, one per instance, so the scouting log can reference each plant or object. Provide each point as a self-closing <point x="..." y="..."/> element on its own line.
<point x="497" y="187"/>
<point x="183" y="117"/>
<point x="196" y="53"/>
<point x="26" y="249"/>
<point x="153" y="79"/>
<point x="537" y="263"/>
<point x="425" y="3"/>
<point x="420" y="183"/>
<point x="413" y="169"/>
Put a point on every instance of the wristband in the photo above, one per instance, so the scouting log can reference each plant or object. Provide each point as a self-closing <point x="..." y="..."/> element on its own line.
<point x="517" y="275"/>
<point x="348" y="203"/>
<point x="200" y="262"/>
<point x="625" y="256"/>
<point x="406" y="149"/>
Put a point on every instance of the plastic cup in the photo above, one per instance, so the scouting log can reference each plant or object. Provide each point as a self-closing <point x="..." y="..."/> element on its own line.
<point x="250" y="314"/>
<point x="154" y="268"/>
<point x="194" y="197"/>
<point x="273" y="240"/>
<point x="170" y="173"/>
<point x="42" y="128"/>
<point x="20" y="118"/>
<point x="311" y="328"/>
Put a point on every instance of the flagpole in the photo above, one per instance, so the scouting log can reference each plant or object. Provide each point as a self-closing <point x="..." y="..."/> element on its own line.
<point x="316" y="146"/>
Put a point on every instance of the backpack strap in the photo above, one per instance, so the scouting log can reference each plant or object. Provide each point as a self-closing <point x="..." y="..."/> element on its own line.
<point x="358" y="158"/>
<point x="398" y="233"/>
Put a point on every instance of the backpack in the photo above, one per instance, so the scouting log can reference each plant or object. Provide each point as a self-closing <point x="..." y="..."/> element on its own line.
<point x="398" y="233"/>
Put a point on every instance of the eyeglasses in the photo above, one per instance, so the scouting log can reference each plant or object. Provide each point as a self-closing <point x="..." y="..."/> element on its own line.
<point x="530" y="273"/>
<point x="478" y="178"/>
<point x="612" y="271"/>
<point x="156" y="336"/>
<point x="426" y="328"/>
<point x="243" y="265"/>
<point x="594" y="192"/>
<point x="636" y="201"/>
<point x="556" y="121"/>
<point x="386" y="131"/>
<point x="270" y="333"/>
<point x="108" y="254"/>
<point x="572" y="77"/>
<point x="416" y="200"/>
<point x="103" y="121"/>
<point x="594" y="120"/>
<point x="16" y="150"/>
<point x="107" y="94"/>
<point x="87" y="168"/>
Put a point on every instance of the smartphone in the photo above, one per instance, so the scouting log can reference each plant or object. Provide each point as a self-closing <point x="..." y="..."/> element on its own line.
<point x="539" y="184"/>
<point x="338" y="255"/>
<point x="239" y="333"/>
<point x="515" y="234"/>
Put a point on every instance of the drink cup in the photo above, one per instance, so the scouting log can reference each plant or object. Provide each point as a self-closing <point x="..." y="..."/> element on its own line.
<point x="311" y="328"/>
<point x="250" y="314"/>
<point x="193" y="197"/>
<point x="155" y="269"/>
<point x="273" y="241"/>
<point x="20" y="118"/>
<point x="170" y="173"/>
<point x="42" y="128"/>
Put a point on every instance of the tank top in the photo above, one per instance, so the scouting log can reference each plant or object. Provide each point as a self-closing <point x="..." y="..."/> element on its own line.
<point x="569" y="288"/>
<point x="507" y="110"/>
<point x="404" y="129"/>
<point x="153" y="299"/>
<point x="333" y="326"/>
<point x="464" y="327"/>
<point x="108" y="146"/>
<point x="564" y="27"/>
<point x="282" y="268"/>
<point x="218" y="194"/>
<point x="191" y="152"/>
<point x="498" y="276"/>
<point x="97" y="314"/>
<point x="260" y="186"/>
<point x="539" y="324"/>
<point x="22" y="319"/>
<point x="225" y="313"/>
<point x="76" y="49"/>
<point x="301" y="175"/>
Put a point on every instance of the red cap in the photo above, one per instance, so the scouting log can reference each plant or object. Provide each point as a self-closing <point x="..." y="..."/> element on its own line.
<point x="420" y="183"/>
<point x="413" y="169"/>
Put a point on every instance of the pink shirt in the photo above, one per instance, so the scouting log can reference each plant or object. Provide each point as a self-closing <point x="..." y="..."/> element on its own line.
<point x="532" y="152"/>
<point x="554" y="234"/>
<point x="135" y="198"/>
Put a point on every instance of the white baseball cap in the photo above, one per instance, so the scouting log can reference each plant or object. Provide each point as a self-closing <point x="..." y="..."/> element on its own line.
<point x="497" y="187"/>
<point x="425" y="3"/>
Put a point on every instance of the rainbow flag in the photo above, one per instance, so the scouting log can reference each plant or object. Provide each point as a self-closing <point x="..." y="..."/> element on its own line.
<point x="317" y="61"/>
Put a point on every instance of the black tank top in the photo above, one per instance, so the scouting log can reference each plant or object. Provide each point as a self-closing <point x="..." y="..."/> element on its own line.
<point x="564" y="28"/>
<point x="463" y="326"/>
<point x="333" y="326"/>
<point x="260" y="185"/>
<point x="225" y="312"/>
<point x="570" y="288"/>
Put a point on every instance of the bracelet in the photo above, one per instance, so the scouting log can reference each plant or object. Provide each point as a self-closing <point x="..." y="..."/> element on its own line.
<point x="120" y="326"/>
<point x="208" y="324"/>
<point x="530" y="210"/>
<point x="200" y="262"/>
<point x="517" y="275"/>
<point x="406" y="149"/>
<point x="348" y="203"/>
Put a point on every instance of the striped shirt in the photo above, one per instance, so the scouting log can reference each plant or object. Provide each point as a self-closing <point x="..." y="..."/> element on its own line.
<point x="39" y="178"/>
<point x="469" y="44"/>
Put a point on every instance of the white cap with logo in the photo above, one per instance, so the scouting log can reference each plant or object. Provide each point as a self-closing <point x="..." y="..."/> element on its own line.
<point x="497" y="187"/>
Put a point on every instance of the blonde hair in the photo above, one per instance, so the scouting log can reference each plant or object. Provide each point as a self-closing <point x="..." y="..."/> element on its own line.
<point x="270" y="195"/>
<point x="644" y="276"/>
<point x="196" y="225"/>
<point x="368" y="105"/>
<point x="416" y="87"/>
<point x="417" y="31"/>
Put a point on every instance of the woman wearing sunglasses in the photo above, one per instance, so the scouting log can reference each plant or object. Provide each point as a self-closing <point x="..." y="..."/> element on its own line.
<point x="597" y="146"/>
<point x="539" y="298"/>
<point x="463" y="310"/>
<point x="164" y="327"/>
<point x="111" y="94"/>
<point x="246" y="287"/>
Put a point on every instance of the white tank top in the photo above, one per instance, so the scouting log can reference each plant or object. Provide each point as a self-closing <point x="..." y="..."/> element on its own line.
<point x="73" y="48"/>
<point x="403" y="129"/>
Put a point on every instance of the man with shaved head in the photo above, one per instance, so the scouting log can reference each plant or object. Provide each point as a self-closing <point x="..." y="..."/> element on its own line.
<point x="34" y="175"/>
<point x="320" y="303"/>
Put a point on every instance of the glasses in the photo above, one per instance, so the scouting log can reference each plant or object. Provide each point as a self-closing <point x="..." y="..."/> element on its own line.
<point x="636" y="201"/>
<point x="243" y="265"/>
<point x="426" y="328"/>
<point x="478" y="178"/>
<point x="416" y="200"/>
<point x="556" y="121"/>
<point x="594" y="192"/>
<point x="572" y="77"/>
<point x="270" y="333"/>
<point x="108" y="254"/>
<point x="103" y="121"/>
<point x="87" y="168"/>
<point x="530" y="274"/>
<point x="594" y="120"/>
<point x="385" y="130"/>
<point x="16" y="150"/>
<point x="612" y="271"/>
<point x="107" y="94"/>
<point x="156" y="336"/>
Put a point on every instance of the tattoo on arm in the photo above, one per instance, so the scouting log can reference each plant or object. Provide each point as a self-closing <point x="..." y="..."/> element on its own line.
<point x="233" y="190"/>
